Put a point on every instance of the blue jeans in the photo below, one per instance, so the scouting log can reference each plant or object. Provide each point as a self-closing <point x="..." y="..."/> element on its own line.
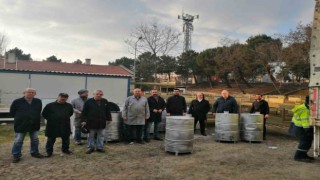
<point x="92" y="142"/>
<point x="147" y="130"/>
<point x="18" y="142"/>
<point x="77" y="134"/>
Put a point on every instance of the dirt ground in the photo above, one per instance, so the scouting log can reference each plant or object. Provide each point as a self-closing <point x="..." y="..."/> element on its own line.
<point x="272" y="159"/>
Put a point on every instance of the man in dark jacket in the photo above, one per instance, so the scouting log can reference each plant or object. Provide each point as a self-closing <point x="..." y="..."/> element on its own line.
<point x="58" y="115"/>
<point x="225" y="103"/>
<point x="261" y="106"/>
<point x="176" y="104"/>
<point x="26" y="112"/>
<point x="156" y="106"/>
<point x="95" y="114"/>
<point x="199" y="109"/>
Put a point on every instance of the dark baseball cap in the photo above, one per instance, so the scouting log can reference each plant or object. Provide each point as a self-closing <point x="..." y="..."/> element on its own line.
<point x="64" y="95"/>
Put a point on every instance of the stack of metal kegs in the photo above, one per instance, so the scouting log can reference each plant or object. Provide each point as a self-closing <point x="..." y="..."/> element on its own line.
<point x="251" y="127"/>
<point x="227" y="127"/>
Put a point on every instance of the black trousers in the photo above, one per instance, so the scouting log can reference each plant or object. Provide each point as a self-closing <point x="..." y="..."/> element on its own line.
<point x="305" y="142"/>
<point x="134" y="132"/>
<point x="202" y="125"/>
<point x="264" y="129"/>
<point x="52" y="140"/>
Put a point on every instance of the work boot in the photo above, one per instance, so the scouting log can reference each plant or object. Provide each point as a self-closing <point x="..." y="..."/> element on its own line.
<point x="49" y="154"/>
<point x="37" y="155"/>
<point x="89" y="151"/>
<point x="67" y="152"/>
<point x="204" y="134"/>
<point x="101" y="150"/>
<point x="15" y="159"/>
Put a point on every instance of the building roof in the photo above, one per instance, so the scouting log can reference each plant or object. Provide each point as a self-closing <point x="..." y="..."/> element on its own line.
<point x="70" y="68"/>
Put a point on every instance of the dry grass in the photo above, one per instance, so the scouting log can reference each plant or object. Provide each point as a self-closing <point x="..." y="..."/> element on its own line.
<point x="209" y="160"/>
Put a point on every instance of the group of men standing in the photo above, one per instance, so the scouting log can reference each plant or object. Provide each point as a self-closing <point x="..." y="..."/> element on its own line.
<point x="138" y="114"/>
<point x="93" y="112"/>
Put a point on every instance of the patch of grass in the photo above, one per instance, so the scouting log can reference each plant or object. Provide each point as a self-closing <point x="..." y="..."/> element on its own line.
<point x="6" y="133"/>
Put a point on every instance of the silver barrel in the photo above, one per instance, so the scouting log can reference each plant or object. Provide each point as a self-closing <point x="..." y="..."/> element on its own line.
<point x="162" y="124"/>
<point x="151" y="128"/>
<point x="251" y="127"/>
<point x="112" y="130"/>
<point x="179" y="134"/>
<point x="227" y="127"/>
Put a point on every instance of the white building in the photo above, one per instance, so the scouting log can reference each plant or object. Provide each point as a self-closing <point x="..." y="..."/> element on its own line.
<point x="50" y="78"/>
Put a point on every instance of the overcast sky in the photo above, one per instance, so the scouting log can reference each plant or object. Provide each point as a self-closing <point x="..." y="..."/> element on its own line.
<point x="96" y="29"/>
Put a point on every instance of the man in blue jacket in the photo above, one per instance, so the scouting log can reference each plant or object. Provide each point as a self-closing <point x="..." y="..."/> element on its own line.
<point x="225" y="103"/>
<point x="26" y="112"/>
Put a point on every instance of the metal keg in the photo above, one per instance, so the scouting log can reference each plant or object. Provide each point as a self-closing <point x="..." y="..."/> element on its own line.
<point x="251" y="127"/>
<point x="151" y="128"/>
<point x="112" y="130"/>
<point x="162" y="124"/>
<point x="179" y="134"/>
<point x="227" y="127"/>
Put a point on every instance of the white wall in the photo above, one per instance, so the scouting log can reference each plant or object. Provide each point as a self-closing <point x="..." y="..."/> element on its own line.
<point x="114" y="89"/>
<point x="49" y="86"/>
<point x="12" y="86"/>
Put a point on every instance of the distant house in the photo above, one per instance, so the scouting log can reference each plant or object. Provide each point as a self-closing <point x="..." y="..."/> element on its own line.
<point x="51" y="78"/>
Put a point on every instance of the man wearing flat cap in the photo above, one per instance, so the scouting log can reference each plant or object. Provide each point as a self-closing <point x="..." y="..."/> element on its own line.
<point x="58" y="115"/>
<point x="77" y="105"/>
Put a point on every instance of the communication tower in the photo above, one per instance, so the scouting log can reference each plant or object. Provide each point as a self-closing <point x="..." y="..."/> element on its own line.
<point x="187" y="29"/>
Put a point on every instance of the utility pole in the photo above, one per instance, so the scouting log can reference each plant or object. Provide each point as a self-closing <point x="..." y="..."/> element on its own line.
<point x="187" y="29"/>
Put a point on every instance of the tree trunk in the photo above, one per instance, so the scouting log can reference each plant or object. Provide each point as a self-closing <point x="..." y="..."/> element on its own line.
<point x="243" y="79"/>
<point x="273" y="80"/>
<point x="169" y="76"/>
<point x="243" y="92"/>
<point x="209" y="80"/>
<point x="195" y="78"/>
<point x="226" y="79"/>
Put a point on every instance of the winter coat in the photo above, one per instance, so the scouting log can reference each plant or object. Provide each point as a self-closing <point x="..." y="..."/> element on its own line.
<point x="26" y="116"/>
<point x="199" y="110"/>
<point x="95" y="115"/>
<point x="77" y="105"/>
<point x="58" y="119"/>
<point x="300" y="121"/>
<point x="136" y="111"/>
<point x="176" y="105"/>
<point x="260" y="106"/>
<point x="221" y="105"/>
<point x="154" y="104"/>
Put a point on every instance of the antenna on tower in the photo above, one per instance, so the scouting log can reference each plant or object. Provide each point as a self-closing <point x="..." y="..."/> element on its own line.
<point x="187" y="29"/>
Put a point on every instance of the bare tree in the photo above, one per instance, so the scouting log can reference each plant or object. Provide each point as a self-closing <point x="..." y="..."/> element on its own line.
<point x="155" y="38"/>
<point x="3" y="43"/>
